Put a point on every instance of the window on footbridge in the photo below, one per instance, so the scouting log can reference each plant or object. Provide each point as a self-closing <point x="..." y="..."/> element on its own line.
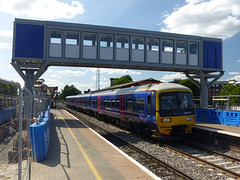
<point x="153" y="50"/>
<point x="193" y="54"/>
<point x="138" y="49"/>
<point x="181" y="53"/>
<point x="122" y="50"/>
<point x="89" y="45"/>
<point x="167" y="51"/>
<point x="55" y="43"/>
<point x="72" y="47"/>
<point x="106" y="46"/>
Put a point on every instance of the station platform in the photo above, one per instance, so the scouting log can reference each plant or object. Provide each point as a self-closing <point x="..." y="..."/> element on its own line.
<point x="219" y="128"/>
<point x="77" y="152"/>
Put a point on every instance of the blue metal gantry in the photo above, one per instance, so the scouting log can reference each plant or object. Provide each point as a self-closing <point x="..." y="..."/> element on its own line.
<point x="40" y="44"/>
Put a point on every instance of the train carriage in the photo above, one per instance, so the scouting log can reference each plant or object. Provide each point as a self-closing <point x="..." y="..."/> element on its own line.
<point x="163" y="109"/>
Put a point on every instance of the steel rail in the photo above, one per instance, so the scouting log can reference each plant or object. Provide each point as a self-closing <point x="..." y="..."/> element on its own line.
<point x="212" y="152"/>
<point x="231" y="173"/>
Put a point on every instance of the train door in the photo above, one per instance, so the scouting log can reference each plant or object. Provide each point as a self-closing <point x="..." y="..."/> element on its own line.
<point x="76" y="102"/>
<point x="149" y="106"/>
<point x="99" y="103"/>
<point x="83" y="102"/>
<point x="123" y="106"/>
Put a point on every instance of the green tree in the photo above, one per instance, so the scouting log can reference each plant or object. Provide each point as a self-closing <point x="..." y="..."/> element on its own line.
<point x="230" y="89"/>
<point x="69" y="91"/>
<point x="8" y="89"/>
<point x="188" y="83"/>
<point x="122" y="80"/>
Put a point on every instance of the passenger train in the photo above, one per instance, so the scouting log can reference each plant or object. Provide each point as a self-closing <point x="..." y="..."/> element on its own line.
<point x="164" y="109"/>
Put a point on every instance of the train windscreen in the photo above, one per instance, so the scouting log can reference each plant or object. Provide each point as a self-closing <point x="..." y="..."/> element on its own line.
<point x="176" y="104"/>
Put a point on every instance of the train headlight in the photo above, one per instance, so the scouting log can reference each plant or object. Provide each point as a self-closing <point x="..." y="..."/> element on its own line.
<point x="190" y="118"/>
<point x="166" y="120"/>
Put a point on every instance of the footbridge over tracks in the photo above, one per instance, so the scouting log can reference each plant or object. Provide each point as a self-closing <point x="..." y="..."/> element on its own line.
<point x="40" y="44"/>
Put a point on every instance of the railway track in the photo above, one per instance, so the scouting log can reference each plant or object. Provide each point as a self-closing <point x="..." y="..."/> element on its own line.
<point x="225" y="164"/>
<point x="158" y="167"/>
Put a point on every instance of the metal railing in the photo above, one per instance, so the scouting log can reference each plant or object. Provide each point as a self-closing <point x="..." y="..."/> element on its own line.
<point x="231" y="102"/>
<point x="20" y="112"/>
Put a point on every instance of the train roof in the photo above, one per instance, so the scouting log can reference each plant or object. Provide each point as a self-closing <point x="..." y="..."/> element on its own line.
<point x="149" y="87"/>
<point x="152" y="87"/>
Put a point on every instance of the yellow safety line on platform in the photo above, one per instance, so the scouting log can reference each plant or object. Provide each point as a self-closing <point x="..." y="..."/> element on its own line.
<point x="90" y="164"/>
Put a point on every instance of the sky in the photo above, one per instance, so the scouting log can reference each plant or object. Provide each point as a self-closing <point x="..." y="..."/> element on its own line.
<point x="210" y="18"/>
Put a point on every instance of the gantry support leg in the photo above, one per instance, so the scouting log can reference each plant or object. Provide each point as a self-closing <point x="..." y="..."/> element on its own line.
<point x="204" y="84"/>
<point x="30" y="76"/>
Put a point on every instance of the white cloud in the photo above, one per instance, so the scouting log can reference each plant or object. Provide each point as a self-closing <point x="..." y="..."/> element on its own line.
<point x="49" y="70"/>
<point x="20" y="81"/>
<point x="119" y="71"/>
<point x="55" y="76"/>
<point x="238" y="61"/>
<point x="215" y="18"/>
<point x="10" y="67"/>
<point x="237" y="78"/>
<point x="6" y="39"/>
<point x="114" y="71"/>
<point x="233" y="73"/>
<point x="54" y="82"/>
<point x="194" y="1"/>
<point x="71" y="73"/>
<point x="50" y="9"/>
<point x="172" y="76"/>
<point x="83" y="87"/>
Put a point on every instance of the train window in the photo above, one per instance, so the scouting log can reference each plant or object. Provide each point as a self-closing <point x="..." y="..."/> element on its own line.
<point x="140" y="104"/>
<point x="122" y="41"/>
<point x="176" y="101"/>
<point x="56" y="37"/>
<point x="193" y="48"/>
<point x="153" y="44"/>
<point x="105" y="102"/>
<point x="138" y="43"/>
<point x="134" y="104"/>
<point x="90" y="39"/>
<point x="167" y="45"/>
<point x="168" y="102"/>
<point x="117" y="103"/>
<point x="185" y="100"/>
<point x="108" y="103"/>
<point x="181" y="47"/>
<point x="129" y="104"/>
<point x="112" y="102"/>
<point x="102" y="102"/>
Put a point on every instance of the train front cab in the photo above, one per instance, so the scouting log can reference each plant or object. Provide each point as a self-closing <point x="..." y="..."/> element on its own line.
<point x="175" y="119"/>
